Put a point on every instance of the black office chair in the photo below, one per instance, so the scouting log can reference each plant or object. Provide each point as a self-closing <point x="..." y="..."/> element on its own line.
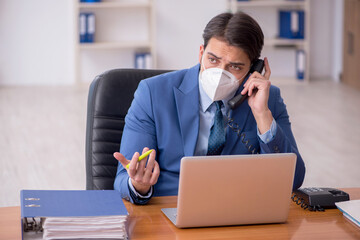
<point x="110" y="96"/>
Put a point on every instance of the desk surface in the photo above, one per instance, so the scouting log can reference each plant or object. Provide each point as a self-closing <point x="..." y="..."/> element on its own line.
<point x="147" y="222"/>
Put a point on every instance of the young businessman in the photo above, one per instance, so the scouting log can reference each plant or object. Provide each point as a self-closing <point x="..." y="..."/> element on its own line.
<point x="186" y="112"/>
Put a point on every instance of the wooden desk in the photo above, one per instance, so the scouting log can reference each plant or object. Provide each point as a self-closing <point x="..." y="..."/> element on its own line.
<point x="148" y="222"/>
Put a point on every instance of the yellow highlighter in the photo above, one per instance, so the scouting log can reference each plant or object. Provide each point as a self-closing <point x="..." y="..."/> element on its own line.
<point x="141" y="157"/>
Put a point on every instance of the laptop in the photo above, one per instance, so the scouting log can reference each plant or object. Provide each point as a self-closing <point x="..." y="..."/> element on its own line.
<point x="233" y="190"/>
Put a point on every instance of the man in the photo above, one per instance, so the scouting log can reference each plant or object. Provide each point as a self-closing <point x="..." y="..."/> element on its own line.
<point x="185" y="113"/>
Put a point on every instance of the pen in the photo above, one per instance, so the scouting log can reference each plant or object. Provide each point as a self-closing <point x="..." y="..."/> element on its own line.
<point x="141" y="157"/>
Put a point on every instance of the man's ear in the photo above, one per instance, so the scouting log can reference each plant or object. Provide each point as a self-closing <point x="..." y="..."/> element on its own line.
<point x="201" y="52"/>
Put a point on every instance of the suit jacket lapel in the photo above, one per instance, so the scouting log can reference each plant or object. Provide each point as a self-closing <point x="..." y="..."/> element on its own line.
<point x="187" y="104"/>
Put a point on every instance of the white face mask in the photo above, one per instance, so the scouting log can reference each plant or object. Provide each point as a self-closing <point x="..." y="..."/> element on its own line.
<point x="219" y="83"/>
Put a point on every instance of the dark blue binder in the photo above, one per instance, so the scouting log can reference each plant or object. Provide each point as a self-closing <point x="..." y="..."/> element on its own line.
<point x="143" y="60"/>
<point x="90" y="27"/>
<point x="39" y="204"/>
<point x="300" y="64"/>
<point x="291" y="24"/>
<point x="87" y="27"/>
<point x="82" y="27"/>
<point x="71" y="203"/>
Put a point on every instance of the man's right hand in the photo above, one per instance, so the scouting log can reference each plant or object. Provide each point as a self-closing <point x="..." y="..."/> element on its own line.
<point x="142" y="175"/>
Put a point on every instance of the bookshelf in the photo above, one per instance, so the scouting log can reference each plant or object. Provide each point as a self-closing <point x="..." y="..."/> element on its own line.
<point x="270" y="27"/>
<point x="122" y="29"/>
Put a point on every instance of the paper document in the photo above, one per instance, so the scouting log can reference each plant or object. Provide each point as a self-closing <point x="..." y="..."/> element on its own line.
<point x="350" y="210"/>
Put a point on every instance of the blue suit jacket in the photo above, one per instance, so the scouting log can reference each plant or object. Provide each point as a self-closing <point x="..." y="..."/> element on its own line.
<point x="164" y="116"/>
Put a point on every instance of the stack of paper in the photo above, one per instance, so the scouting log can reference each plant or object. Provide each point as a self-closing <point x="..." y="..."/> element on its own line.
<point x="350" y="210"/>
<point x="112" y="227"/>
<point x="96" y="214"/>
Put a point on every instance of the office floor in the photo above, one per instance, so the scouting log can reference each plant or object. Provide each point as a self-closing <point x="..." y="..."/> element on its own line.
<point x="42" y="140"/>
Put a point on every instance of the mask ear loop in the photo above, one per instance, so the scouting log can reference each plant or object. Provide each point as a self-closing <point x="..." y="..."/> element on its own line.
<point x="244" y="75"/>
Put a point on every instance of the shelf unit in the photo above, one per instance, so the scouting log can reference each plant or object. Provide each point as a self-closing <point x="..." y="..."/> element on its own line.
<point x="267" y="3"/>
<point x="115" y="45"/>
<point x="113" y="42"/>
<point x="273" y="41"/>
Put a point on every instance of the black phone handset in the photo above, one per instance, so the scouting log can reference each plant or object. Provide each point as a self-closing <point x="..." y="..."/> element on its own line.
<point x="317" y="199"/>
<point x="239" y="99"/>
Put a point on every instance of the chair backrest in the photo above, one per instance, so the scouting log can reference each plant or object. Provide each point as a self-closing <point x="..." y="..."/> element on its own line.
<point x="110" y="96"/>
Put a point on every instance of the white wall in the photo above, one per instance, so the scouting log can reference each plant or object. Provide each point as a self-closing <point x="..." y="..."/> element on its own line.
<point x="180" y="25"/>
<point x="321" y="42"/>
<point x="36" y="40"/>
<point x="337" y="36"/>
<point x="326" y="38"/>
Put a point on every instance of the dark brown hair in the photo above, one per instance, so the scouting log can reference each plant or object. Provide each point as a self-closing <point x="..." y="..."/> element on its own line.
<point x="239" y="30"/>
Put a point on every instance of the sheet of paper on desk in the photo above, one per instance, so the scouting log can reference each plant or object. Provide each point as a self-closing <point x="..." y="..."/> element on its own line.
<point x="350" y="210"/>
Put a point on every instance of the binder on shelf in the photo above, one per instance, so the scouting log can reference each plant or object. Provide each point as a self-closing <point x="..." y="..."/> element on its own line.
<point x="87" y="27"/>
<point x="82" y="27"/>
<point x="291" y="24"/>
<point x="57" y="214"/>
<point x="90" y="27"/>
<point x="300" y="64"/>
<point x="90" y="1"/>
<point x="143" y="60"/>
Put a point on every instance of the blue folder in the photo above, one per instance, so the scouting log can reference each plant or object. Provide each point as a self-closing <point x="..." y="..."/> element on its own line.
<point x="82" y="27"/>
<point x="300" y="64"/>
<point x="87" y="27"/>
<point x="90" y="27"/>
<point x="291" y="24"/>
<point x="143" y="60"/>
<point x="71" y="203"/>
<point x="39" y="204"/>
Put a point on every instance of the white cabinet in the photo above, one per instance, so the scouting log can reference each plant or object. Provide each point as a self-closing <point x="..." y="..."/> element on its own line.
<point x="266" y="12"/>
<point x="123" y="28"/>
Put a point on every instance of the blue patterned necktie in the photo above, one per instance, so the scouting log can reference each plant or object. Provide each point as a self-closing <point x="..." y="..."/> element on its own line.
<point x="217" y="132"/>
